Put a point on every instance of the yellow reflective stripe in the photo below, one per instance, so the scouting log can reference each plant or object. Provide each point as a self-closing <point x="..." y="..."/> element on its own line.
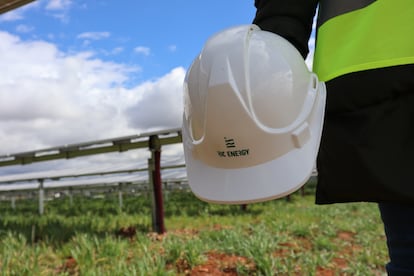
<point x="380" y="35"/>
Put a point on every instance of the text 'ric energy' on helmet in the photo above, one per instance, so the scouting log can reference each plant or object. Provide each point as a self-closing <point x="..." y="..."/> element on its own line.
<point x="253" y="118"/>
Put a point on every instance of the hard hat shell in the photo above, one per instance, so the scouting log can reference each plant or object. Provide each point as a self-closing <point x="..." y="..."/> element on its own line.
<point x="253" y="116"/>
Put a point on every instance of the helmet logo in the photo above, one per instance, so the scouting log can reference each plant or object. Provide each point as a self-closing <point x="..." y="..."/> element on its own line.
<point x="230" y="144"/>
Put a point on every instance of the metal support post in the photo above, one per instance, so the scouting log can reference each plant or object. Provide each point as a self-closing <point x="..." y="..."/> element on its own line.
<point x="70" y="193"/>
<point x="13" y="202"/>
<point x="120" y="199"/>
<point x="41" y="197"/>
<point x="155" y="171"/>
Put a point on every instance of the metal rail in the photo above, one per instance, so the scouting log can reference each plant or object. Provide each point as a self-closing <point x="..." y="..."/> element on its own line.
<point x="119" y="144"/>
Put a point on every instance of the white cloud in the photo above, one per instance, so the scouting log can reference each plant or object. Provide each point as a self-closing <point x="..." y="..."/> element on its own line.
<point x="13" y="15"/>
<point x="89" y="36"/>
<point x="51" y="98"/>
<point x="59" y="9"/>
<point x="142" y="50"/>
<point x="160" y="104"/>
<point x="23" y="28"/>
<point x="58" y="5"/>
<point x="94" y="35"/>
<point x="117" y="50"/>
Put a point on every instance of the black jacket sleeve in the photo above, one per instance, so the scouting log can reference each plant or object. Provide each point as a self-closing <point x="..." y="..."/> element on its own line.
<point x="291" y="19"/>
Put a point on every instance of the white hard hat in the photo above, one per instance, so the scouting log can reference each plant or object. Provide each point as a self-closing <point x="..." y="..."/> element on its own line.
<point x="252" y="119"/>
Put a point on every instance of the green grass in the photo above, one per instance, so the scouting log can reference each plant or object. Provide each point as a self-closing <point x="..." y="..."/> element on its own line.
<point x="278" y="237"/>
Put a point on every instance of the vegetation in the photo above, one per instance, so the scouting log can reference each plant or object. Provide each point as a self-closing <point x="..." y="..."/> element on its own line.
<point x="279" y="237"/>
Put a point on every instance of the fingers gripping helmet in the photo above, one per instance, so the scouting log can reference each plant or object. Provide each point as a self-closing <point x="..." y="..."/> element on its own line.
<point x="252" y="118"/>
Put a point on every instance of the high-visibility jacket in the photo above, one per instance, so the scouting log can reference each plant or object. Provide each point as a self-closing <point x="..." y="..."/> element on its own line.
<point x="357" y="35"/>
<point x="366" y="151"/>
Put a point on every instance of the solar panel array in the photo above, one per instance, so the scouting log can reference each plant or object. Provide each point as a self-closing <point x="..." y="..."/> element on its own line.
<point x="88" y="177"/>
<point x="113" y="178"/>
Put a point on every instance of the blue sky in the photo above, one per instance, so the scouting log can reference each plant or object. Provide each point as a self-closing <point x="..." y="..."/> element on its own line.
<point x="154" y="36"/>
<point x="76" y="70"/>
<point x="81" y="70"/>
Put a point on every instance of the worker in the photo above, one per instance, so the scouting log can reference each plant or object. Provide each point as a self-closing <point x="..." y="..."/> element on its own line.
<point x="365" y="55"/>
